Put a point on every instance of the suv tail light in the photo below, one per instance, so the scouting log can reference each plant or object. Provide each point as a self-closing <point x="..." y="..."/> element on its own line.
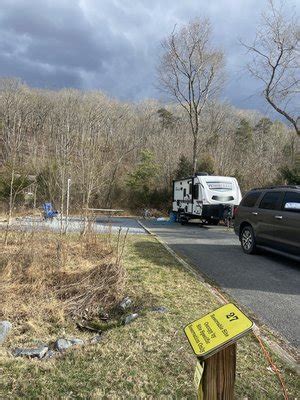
<point x="235" y="211"/>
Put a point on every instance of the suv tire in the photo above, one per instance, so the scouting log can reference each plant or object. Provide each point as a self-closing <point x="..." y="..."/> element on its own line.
<point x="247" y="238"/>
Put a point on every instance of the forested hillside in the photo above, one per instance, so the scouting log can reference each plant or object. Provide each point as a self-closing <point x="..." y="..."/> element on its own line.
<point x="125" y="154"/>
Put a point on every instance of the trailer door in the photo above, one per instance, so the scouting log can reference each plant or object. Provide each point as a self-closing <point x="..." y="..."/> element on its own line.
<point x="189" y="197"/>
<point x="197" y="199"/>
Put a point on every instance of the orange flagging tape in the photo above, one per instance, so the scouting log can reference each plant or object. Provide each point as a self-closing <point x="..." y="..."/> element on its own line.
<point x="272" y="365"/>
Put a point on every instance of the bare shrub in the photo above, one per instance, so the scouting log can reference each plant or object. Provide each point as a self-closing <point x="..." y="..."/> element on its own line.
<point x="36" y="290"/>
<point x="84" y="293"/>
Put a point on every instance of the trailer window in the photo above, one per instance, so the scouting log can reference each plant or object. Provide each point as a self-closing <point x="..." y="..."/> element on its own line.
<point x="196" y="192"/>
<point x="223" y="198"/>
<point x="190" y="188"/>
<point x="184" y="192"/>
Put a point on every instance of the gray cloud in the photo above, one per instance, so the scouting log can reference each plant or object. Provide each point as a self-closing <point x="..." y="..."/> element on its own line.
<point x="114" y="45"/>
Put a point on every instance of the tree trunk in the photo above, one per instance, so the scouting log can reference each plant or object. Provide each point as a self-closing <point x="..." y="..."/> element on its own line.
<point x="86" y="213"/>
<point x="11" y="204"/>
<point x="195" y="154"/>
<point x="34" y="195"/>
<point x="297" y="153"/>
<point x="62" y="204"/>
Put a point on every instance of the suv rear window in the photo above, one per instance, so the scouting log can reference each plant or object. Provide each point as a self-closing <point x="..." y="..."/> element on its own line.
<point x="250" y="199"/>
<point x="270" y="200"/>
<point x="291" y="202"/>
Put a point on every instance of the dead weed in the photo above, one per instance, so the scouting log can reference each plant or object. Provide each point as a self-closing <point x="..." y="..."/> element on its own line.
<point x="45" y="278"/>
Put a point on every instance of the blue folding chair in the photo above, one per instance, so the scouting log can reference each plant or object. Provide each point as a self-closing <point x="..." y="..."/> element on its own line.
<point x="49" y="211"/>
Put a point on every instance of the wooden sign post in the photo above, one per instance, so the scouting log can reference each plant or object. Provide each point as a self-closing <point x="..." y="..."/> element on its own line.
<point x="213" y="340"/>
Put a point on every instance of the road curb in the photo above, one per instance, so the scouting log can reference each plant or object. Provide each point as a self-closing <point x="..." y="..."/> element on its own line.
<point x="274" y="346"/>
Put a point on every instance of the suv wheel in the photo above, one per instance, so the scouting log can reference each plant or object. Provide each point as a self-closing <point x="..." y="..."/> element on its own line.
<point x="248" y="240"/>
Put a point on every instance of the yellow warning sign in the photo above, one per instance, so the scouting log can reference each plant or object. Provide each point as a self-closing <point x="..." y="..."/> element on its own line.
<point x="216" y="329"/>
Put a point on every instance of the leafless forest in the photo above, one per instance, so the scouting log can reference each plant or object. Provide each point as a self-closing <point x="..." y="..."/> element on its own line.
<point x="113" y="150"/>
<point x="122" y="154"/>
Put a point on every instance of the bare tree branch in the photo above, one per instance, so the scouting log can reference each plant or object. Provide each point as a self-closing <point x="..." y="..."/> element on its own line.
<point x="276" y="61"/>
<point x="189" y="71"/>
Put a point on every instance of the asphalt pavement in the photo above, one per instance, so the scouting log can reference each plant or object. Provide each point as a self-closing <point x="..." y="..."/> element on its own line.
<point x="267" y="284"/>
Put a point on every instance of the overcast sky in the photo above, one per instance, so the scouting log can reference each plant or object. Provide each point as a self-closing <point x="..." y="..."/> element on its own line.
<point x="114" y="45"/>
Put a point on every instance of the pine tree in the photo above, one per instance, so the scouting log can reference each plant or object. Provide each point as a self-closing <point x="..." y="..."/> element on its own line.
<point x="184" y="169"/>
<point x="142" y="180"/>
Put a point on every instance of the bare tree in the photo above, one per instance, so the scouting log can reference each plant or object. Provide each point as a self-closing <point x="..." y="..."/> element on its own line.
<point x="276" y="61"/>
<point x="190" y="71"/>
<point x="14" y="112"/>
<point x="65" y="120"/>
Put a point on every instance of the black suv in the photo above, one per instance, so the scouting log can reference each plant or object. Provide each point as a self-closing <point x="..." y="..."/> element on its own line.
<point x="270" y="218"/>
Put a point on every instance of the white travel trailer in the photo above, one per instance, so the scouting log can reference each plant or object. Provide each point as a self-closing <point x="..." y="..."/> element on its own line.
<point x="205" y="197"/>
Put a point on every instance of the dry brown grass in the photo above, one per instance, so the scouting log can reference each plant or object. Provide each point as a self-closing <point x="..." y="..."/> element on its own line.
<point x="47" y="280"/>
<point x="20" y="212"/>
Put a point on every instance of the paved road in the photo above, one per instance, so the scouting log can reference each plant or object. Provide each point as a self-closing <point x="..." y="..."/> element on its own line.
<point x="267" y="284"/>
